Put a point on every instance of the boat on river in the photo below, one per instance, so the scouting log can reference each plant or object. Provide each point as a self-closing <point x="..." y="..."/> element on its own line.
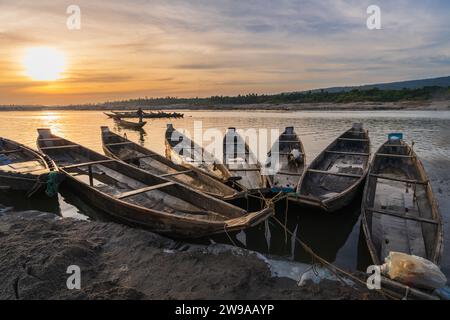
<point x="22" y="168"/>
<point x="121" y="148"/>
<point x="399" y="212"/>
<point x="137" y="197"/>
<point x="334" y="177"/>
<point x="287" y="161"/>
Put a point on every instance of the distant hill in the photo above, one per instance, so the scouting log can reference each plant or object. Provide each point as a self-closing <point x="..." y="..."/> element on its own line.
<point x="410" y="84"/>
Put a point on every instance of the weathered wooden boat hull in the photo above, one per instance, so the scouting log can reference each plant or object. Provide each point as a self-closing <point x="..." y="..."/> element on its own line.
<point x="246" y="170"/>
<point x="33" y="182"/>
<point x="290" y="171"/>
<point x="336" y="175"/>
<point x="122" y="149"/>
<point x="399" y="212"/>
<point x="207" y="216"/>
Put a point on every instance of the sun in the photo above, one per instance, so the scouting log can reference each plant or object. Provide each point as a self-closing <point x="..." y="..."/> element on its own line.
<point x="44" y="64"/>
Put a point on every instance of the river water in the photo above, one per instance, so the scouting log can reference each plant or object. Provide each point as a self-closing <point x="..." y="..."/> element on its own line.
<point x="336" y="237"/>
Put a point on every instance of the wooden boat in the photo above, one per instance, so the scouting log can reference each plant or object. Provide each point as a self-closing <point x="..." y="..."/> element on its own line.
<point x="399" y="210"/>
<point x="148" y="115"/>
<point x="180" y="149"/>
<point x="242" y="163"/>
<point x="130" y="124"/>
<point x="334" y="177"/>
<point x="137" y="197"/>
<point x="287" y="162"/>
<point x="22" y="168"/>
<point x="123" y="149"/>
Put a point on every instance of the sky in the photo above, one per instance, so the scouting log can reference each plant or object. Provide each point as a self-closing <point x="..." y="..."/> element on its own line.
<point x="129" y="49"/>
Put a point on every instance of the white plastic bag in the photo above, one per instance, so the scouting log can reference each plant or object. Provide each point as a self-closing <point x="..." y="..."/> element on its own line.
<point x="413" y="271"/>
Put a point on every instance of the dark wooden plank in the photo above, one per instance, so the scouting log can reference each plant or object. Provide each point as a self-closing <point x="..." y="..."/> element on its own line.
<point x="11" y="151"/>
<point x="174" y="174"/>
<point x="142" y="190"/>
<point x="393" y="155"/>
<point x="398" y="179"/>
<point x="349" y="153"/>
<point x="349" y="139"/>
<point x="61" y="147"/>
<point x="87" y="164"/>
<point x="335" y="173"/>
<point x="402" y="215"/>
<point x="118" y="143"/>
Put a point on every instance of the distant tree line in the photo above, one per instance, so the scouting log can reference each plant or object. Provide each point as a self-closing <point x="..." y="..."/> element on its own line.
<point x="321" y="96"/>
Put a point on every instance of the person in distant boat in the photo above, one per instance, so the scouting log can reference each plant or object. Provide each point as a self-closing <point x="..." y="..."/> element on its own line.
<point x="140" y="114"/>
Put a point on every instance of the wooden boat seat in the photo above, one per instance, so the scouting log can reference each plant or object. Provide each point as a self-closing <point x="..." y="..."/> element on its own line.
<point x="174" y="174"/>
<point x="61" y="147"/>
<point x="11" y="151"/>
<point x="143" y="190"/>
<point x="140" y="157"/>
<point x="402" y="215"/>
<point x="118" y="143"/>
<point x="350" y="175"/>
<point x="349" y="153"/>
<point x="393" y="155"/>
<point x="398" y="179"/>
<point x="87" y="164"/>
<point x="352" y="139"/>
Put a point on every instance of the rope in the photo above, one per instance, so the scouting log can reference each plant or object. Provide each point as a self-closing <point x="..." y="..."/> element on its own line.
<point x="334" y="269"/>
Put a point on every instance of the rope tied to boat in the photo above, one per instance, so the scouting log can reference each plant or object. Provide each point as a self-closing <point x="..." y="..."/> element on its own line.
<point x="52" y="184"/>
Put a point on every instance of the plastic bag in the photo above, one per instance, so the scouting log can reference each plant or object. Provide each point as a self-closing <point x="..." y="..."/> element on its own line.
<point x="413" y="271"/>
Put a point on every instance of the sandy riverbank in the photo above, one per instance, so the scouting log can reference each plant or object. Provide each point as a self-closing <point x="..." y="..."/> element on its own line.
<point x="118" y="262"/>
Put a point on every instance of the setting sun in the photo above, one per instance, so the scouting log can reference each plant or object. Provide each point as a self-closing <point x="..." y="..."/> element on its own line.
<point x="44" y="64"/>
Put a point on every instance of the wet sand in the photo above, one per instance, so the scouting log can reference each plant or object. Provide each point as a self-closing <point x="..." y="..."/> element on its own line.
<point x="118" y="262"/>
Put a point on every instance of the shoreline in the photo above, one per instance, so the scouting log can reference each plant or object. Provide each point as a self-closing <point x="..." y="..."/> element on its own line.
<point x="119" y="262"/>
<point x="438" y="105"/>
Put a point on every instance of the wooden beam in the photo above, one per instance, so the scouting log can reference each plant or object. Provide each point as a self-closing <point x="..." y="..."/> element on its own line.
<point x="76" y="165"/>
<point x="119" y="143"/>
<point x="246" y="169"/>
<point x="398" y="179"/>
<point x="350" y="175"/>
<point x="349" y="139"/>
<point x="68" y="146"/>
<point x="402" y="215"/>
<point x="289" y="173"/>
<point x="349" y="153"/>
<point x="140" y="157"/>
<point x="174" y="174"/>
<point x="393" y="155"/>
<point x="142" y="190"/>
<point x="51" y="139"/>
<point x="11" y="151"/>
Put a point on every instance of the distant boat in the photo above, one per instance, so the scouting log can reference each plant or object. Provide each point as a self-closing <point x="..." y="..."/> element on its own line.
<point x="242" y="163"/>
<point x="123" y="149"/>
<point x="399" y="210"/>
<point x="180" y="149"/>
<point x="289" y="161"/>
<point x="334" y="177"/>
<point x="140" y="198"/>
<point x="147" y="115"/>
<point x="130" y="124"/>
<point x="22" y="168"/>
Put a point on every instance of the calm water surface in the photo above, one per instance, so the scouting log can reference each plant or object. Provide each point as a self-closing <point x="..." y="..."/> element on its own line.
<point x="335" y="237"/>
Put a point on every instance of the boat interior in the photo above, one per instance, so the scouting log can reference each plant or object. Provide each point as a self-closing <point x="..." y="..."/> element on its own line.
<point x="241" y="162"/>
<point x="336" y="169"/>
<point x="287" y="162"/>
<point x="158" y="165"/>
<point x="399" y="211"/>
<point x="15" y="159"/>
<point x="132" y="185"/>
